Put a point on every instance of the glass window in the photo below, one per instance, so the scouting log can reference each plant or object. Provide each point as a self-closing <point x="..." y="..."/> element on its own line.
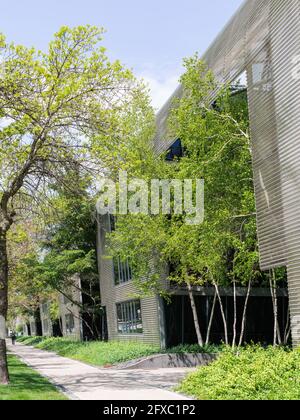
<point x="112" y="223"/>
<point x="122" y="271"/>
<point x="130" y="317"/>
<point x="175" y="151"/>
<point x="70" y="325"/>
<point x="108" y="222"/>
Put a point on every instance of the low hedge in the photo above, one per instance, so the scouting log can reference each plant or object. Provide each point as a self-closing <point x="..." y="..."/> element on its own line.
<point x="254" y="373"/>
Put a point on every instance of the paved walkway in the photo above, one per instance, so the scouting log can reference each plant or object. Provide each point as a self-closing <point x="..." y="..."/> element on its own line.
<point x="83" y="382"/>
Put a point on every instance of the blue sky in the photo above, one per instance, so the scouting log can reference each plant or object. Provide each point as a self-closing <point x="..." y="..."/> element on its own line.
<point x="149" y="36"/>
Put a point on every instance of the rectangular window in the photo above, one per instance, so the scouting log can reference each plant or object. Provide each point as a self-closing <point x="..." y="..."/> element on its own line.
<point x="122" y="271"/>
<point x="130" y="317"/>
<point x="70" y="325"/>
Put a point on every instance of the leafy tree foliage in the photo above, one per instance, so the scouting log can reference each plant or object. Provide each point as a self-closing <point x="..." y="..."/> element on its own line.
<point x="222" y="251"/>
<point x="57" y="109"/>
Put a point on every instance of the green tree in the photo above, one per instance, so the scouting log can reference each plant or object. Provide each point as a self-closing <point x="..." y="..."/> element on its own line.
<point x="55" y="109"/>
<point x="25" y="292"/>
<point x="223" y="250"/>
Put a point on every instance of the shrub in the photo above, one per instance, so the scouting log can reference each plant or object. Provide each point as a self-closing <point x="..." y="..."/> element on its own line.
<point x="30" y="341"/>
<point x="254" y="373"/>
<point x="195" y="348"/>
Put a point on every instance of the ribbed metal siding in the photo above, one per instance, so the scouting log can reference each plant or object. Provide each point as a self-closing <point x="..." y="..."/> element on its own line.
<point x="66" y="307"/>
<point x="235" y="46"/>
<point x="45" y="316"/>
<point x="69" y="308"/>
<point x="285" y="42"/>
<point x="32" y="324"/>
<point x="263" y="38"/>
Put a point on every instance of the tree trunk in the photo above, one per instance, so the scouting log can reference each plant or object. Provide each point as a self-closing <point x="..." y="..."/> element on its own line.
<point x="195" y="315"/>
<point x="244" y="315"/>
<point x="222" y="313"/>
<point x="287" y="330"/>
<point x="235" y="314"/>
<point x="275" y="305"/>
<point x="4" y="377"/>
<point x="211" y="319"/>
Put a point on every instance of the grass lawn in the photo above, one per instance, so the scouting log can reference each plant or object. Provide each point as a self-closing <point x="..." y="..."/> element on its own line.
<point x="26" y="384"/>
<point x="101" y="353"/>
<point x="254" y="374"/>
<point x="96" y="352"/>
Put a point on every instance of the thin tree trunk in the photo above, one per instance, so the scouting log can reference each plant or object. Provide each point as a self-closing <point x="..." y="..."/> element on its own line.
<point x="279" y="339"/>
<point x="222" y="313"/>
<point x="272" y="279"/>
<point x="60" y="326"/>
<point x="287" y="330"/>
<point x="211" y="320"/>
<point x="4" y="377"/>
<point x="195" y="315"/>
<point x="244" y="314"/>
<point x="235" y="315"/>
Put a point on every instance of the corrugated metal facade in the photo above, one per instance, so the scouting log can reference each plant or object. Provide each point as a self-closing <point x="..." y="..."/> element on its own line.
<point x="263" y="38"/>
<point x="32" y="325"/>
<point x="112" y="294"/>
<point x="67" y="308"/>
<point x="46" y="319"/>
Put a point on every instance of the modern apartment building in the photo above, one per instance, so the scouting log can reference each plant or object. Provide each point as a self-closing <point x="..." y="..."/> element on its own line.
<point x="262" y="40"/>
<point x="72" y="318"/>
<point x="47" y="327"/>
<point x="69" y="311"/>
<point x="127" y="317"/>
<point x="169" y="323"/>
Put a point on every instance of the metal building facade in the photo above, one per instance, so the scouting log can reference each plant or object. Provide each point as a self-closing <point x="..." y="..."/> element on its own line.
<point x="112" y="295"/>
<point x="263" y="39"/>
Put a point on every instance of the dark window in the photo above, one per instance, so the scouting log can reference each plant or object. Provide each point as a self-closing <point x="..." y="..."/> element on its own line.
<point x="122" y="271"/>
<point x="130" y="317"/>
<point x="175" y="151"/>
<point x="70" y="325"/>
<point x="112" y="223"/>
<point x="108" y="222"/>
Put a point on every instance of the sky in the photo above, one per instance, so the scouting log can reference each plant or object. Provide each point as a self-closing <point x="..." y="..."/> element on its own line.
<point x="151" y="37"/>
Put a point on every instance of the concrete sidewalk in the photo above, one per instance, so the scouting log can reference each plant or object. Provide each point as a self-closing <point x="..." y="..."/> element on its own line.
<point x="83" y="382"/>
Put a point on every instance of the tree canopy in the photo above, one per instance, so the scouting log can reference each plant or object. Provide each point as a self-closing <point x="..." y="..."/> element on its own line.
<point x="60" y="111"/>
<point x="223" y="250"/>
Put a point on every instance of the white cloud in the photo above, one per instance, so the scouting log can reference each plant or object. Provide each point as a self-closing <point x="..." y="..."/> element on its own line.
<point x="160" y="88"/>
